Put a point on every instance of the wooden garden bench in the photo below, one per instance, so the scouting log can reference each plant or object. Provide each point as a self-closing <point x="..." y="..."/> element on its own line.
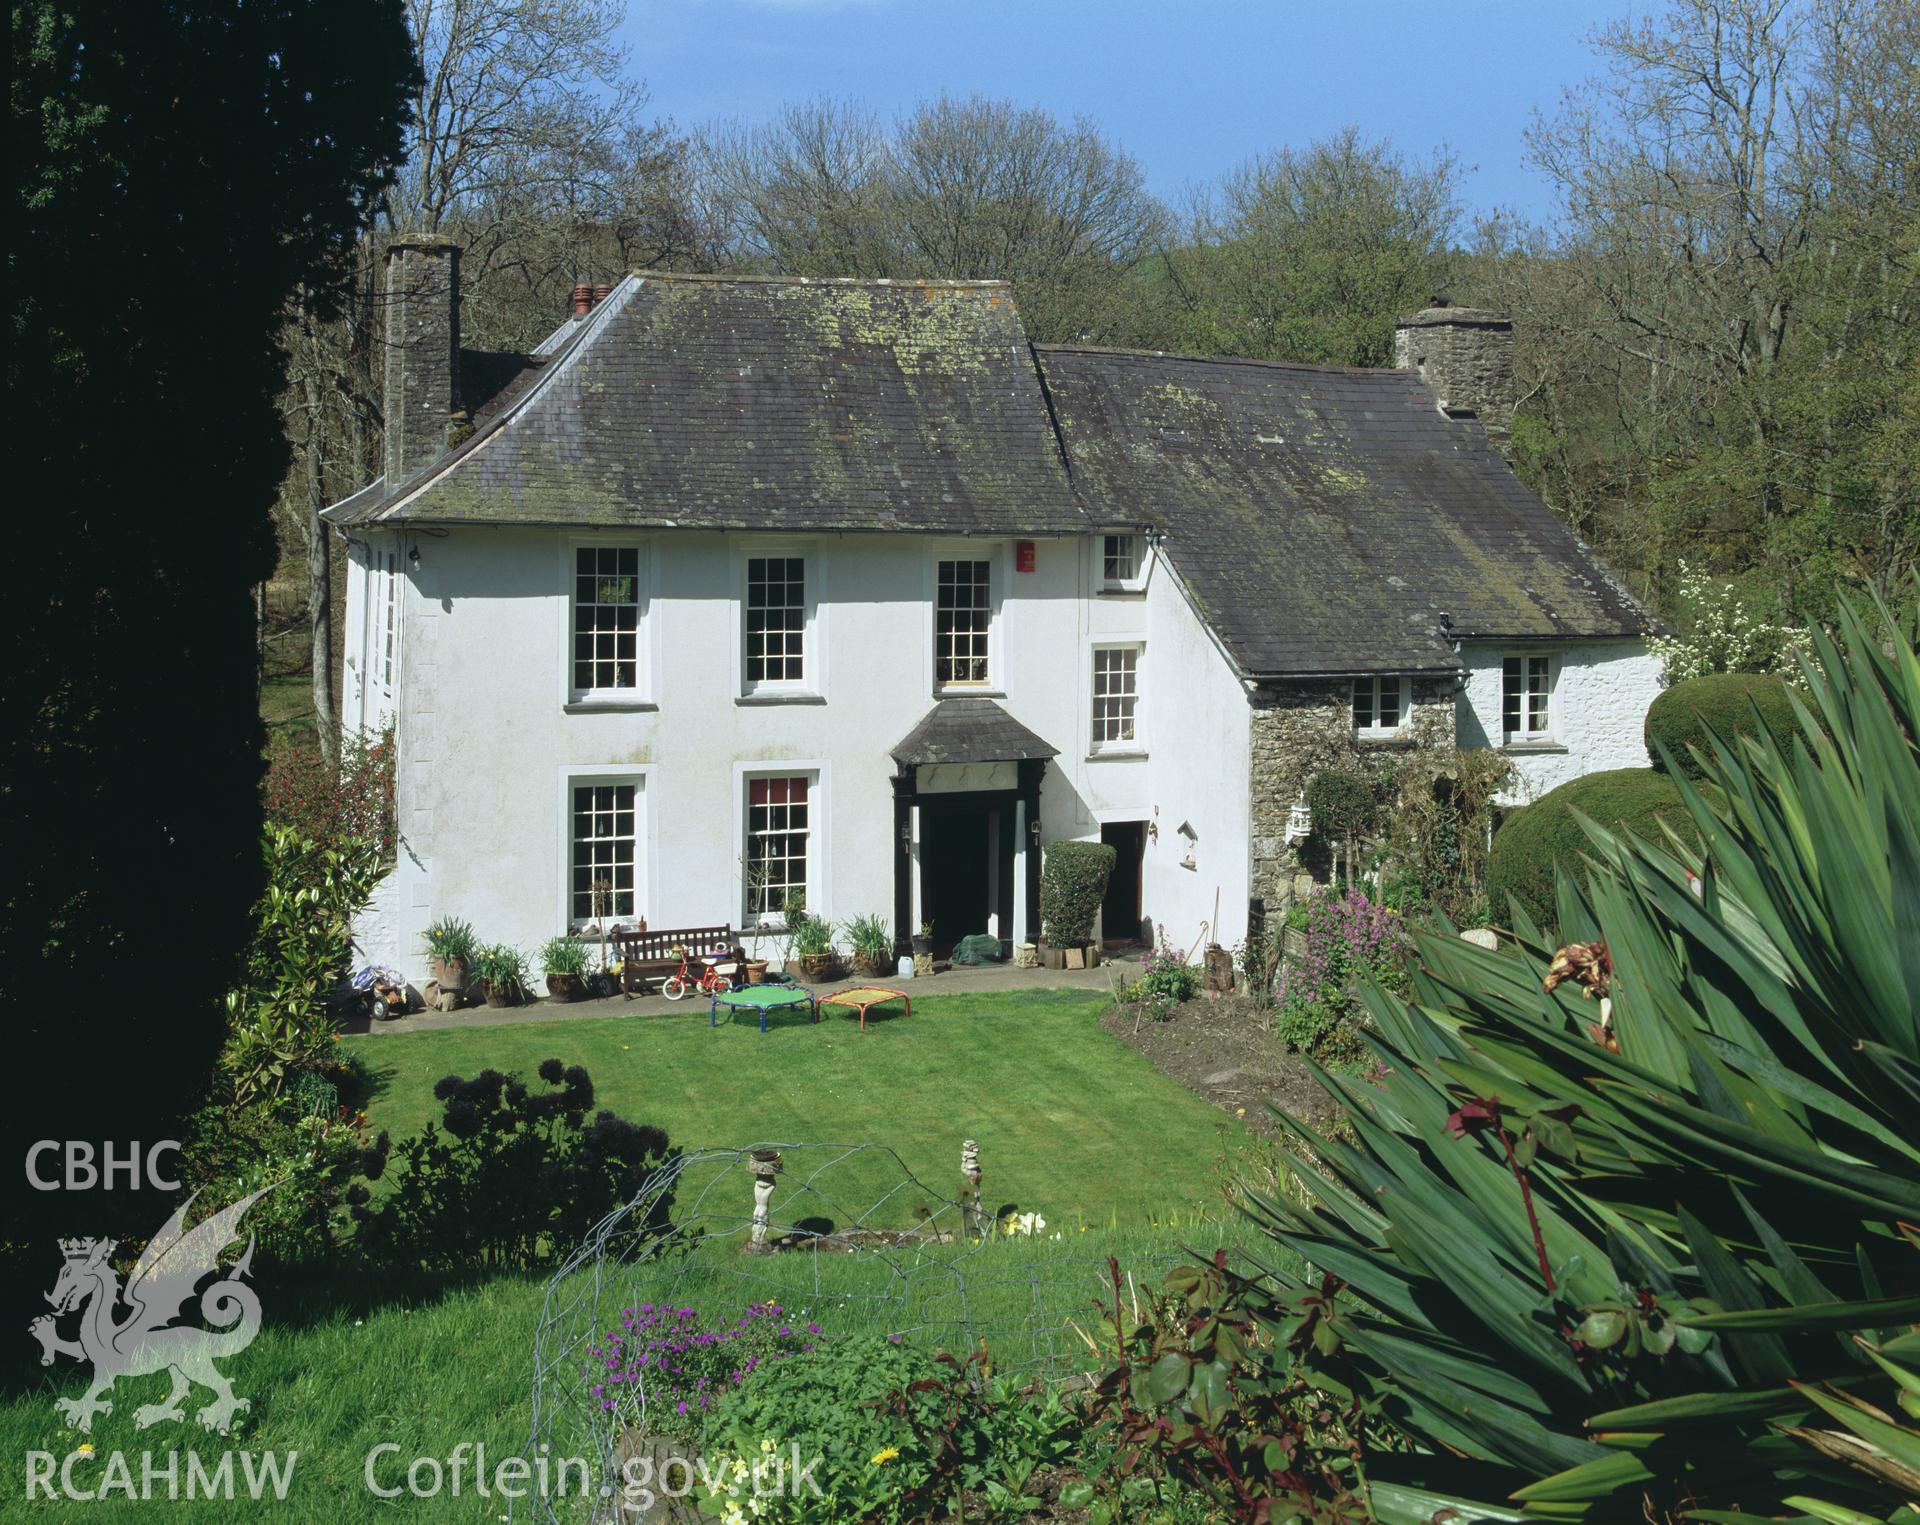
<point x="646" y="954"/>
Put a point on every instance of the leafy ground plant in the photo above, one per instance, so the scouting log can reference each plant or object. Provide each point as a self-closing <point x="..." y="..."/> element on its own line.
<point x="1348" y="937"/>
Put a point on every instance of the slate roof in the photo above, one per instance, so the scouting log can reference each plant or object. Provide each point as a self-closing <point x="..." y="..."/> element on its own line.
<point x="752" y="403"/>
<point x="1324" y="519"/>
<point x="491" y="381"/>
<point x="969" y="731"/>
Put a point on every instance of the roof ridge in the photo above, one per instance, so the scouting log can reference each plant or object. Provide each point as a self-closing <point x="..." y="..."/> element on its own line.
<point x="944" y="283"/>
<point x="1277" y="365"/>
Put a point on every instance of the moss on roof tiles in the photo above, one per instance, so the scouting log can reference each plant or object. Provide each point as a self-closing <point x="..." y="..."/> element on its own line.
<point x="1324" y="519"/>
<point x="788" y="405"/>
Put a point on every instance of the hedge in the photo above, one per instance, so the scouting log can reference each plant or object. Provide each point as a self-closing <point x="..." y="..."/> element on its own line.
<point x="1529" y="842"/>
<point x="1723" y="702"/>
<point x="1073" y="882"/>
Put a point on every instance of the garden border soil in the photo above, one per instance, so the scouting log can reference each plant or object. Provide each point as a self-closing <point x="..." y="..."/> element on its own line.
<point x="1220" y="1049"/>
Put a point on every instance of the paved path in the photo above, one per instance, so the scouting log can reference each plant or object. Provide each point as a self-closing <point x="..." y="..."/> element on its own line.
<point x="958" y="980"/>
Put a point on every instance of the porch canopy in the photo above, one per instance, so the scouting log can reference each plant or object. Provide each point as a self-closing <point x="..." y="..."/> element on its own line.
<point x="982" y="763"/>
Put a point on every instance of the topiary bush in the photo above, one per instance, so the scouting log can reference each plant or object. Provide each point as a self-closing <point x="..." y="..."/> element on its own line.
<point x="1073" y="882"/>
<point x="1343" y="804"/>
<point x="1722" y="703"/>
<point x="1526" y="848"/>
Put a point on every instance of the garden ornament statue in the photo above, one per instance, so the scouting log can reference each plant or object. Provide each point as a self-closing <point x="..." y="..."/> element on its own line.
<point x="766" y="1168"/>
<point x="976" y="1218"/>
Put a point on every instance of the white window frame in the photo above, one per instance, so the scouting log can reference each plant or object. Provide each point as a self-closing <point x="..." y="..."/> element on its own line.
<point x="1376" y="682"/>
<point x="1138" y="578"/>
<point x="1137" y="743"/>
<point x="812" y="682"/>
<point x="594" y="775"/>
<point x="819" y="900"/>
<point x="1528" y="735"/>
<point x="640" y="696"/>
<point x="388" y="634"/>
<point x="994" y="556"/>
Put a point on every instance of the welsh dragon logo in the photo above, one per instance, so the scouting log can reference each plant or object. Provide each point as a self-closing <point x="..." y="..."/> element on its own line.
<point x="167" y="1275"/>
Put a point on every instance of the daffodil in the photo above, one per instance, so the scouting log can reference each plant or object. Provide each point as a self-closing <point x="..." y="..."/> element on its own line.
<point x="85" y="1448"/>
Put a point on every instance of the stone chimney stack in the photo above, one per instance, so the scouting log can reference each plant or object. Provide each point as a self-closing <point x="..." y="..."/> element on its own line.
<point x="422" y="384"/>
<point x="1465" y="357"/>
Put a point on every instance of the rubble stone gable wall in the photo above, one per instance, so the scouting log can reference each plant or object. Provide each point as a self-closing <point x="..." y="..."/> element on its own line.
<point x="1302" y="727"/>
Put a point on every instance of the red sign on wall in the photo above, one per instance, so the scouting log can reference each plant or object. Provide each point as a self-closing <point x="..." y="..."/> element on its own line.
<point x="1023" y="555"/>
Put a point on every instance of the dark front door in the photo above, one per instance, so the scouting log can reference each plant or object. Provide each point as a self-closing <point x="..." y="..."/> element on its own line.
<point x="966" y="866"/>
<point x="1120" y="920"/>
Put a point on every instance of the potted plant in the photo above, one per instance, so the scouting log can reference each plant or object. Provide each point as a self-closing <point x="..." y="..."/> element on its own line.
<point x="872" y="943"/>
<point x="450" y="947"/>
<point x="923" y="939"/>
<point x="500" y="970"/>
<point x="811" y="941"/>
<point x="1073" y="882"/>
<point x="564" y="962"/>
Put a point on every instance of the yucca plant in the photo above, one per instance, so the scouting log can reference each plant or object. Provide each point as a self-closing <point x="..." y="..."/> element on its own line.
<point x="1626" y="1229"/>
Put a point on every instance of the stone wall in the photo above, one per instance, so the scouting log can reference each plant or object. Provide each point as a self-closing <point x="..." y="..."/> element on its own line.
<point x="1302" y="728"/>
<point x="1465" y="357"/>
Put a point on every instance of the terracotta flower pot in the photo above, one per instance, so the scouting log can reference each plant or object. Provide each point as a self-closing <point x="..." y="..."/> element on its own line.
<point x="756" y="971"/>
<point x="502" y="995"/>
<point x="450" y="974"/>
<point x="565" y="987"/>
<point x="820" y="966"/>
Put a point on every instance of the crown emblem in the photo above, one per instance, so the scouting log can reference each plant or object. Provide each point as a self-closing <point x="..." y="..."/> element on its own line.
<point x="86" y="1249"/>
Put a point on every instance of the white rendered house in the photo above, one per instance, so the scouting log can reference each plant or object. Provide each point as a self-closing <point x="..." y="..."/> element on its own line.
<point x="744" y="587"/>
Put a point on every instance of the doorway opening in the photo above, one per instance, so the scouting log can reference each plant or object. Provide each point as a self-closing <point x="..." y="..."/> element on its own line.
<point x="1121" y="922"/>
<point x="966" y="867"/>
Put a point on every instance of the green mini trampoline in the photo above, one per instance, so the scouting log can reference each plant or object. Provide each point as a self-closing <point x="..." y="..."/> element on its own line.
<point x="763" y="998"/>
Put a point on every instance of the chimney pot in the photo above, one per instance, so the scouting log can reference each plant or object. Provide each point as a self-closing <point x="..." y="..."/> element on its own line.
<point x="601" y="293"/>
<point x="582" y="301"/>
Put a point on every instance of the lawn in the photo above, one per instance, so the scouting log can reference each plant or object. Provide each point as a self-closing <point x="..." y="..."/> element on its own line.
<point x="1071" y="1124"/>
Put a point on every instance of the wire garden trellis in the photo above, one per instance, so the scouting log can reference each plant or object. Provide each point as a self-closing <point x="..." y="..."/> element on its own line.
<point x="802" y="1225"/>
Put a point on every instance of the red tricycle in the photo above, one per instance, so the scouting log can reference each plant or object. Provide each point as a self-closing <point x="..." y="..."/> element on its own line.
<point x="715" y="979"/>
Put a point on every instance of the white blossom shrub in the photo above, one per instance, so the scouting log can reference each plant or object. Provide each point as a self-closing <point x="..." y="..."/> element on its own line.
<point x="1724" y="635"/>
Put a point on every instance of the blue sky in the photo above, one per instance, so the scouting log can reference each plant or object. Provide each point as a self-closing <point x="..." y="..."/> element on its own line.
<point x="1188" y="86"/>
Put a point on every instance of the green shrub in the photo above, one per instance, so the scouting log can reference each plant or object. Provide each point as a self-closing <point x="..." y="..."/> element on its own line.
<point x="1343" y="804"/>
<point x="511" y="1178"/>
<point x="1073" y="882"/>
<point x="1660" y="1268"/>
<point x="281" y="1019"/>
<point x="312" y="1159"/>
<point x="876" y="1412"/>
<point x="334" y="803"/>
<point x="1722" y="703"/>
<point x="1528" y="846"/>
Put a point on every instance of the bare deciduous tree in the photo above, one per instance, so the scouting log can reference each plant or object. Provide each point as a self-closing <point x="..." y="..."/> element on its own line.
<point x="972" y="189"/>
